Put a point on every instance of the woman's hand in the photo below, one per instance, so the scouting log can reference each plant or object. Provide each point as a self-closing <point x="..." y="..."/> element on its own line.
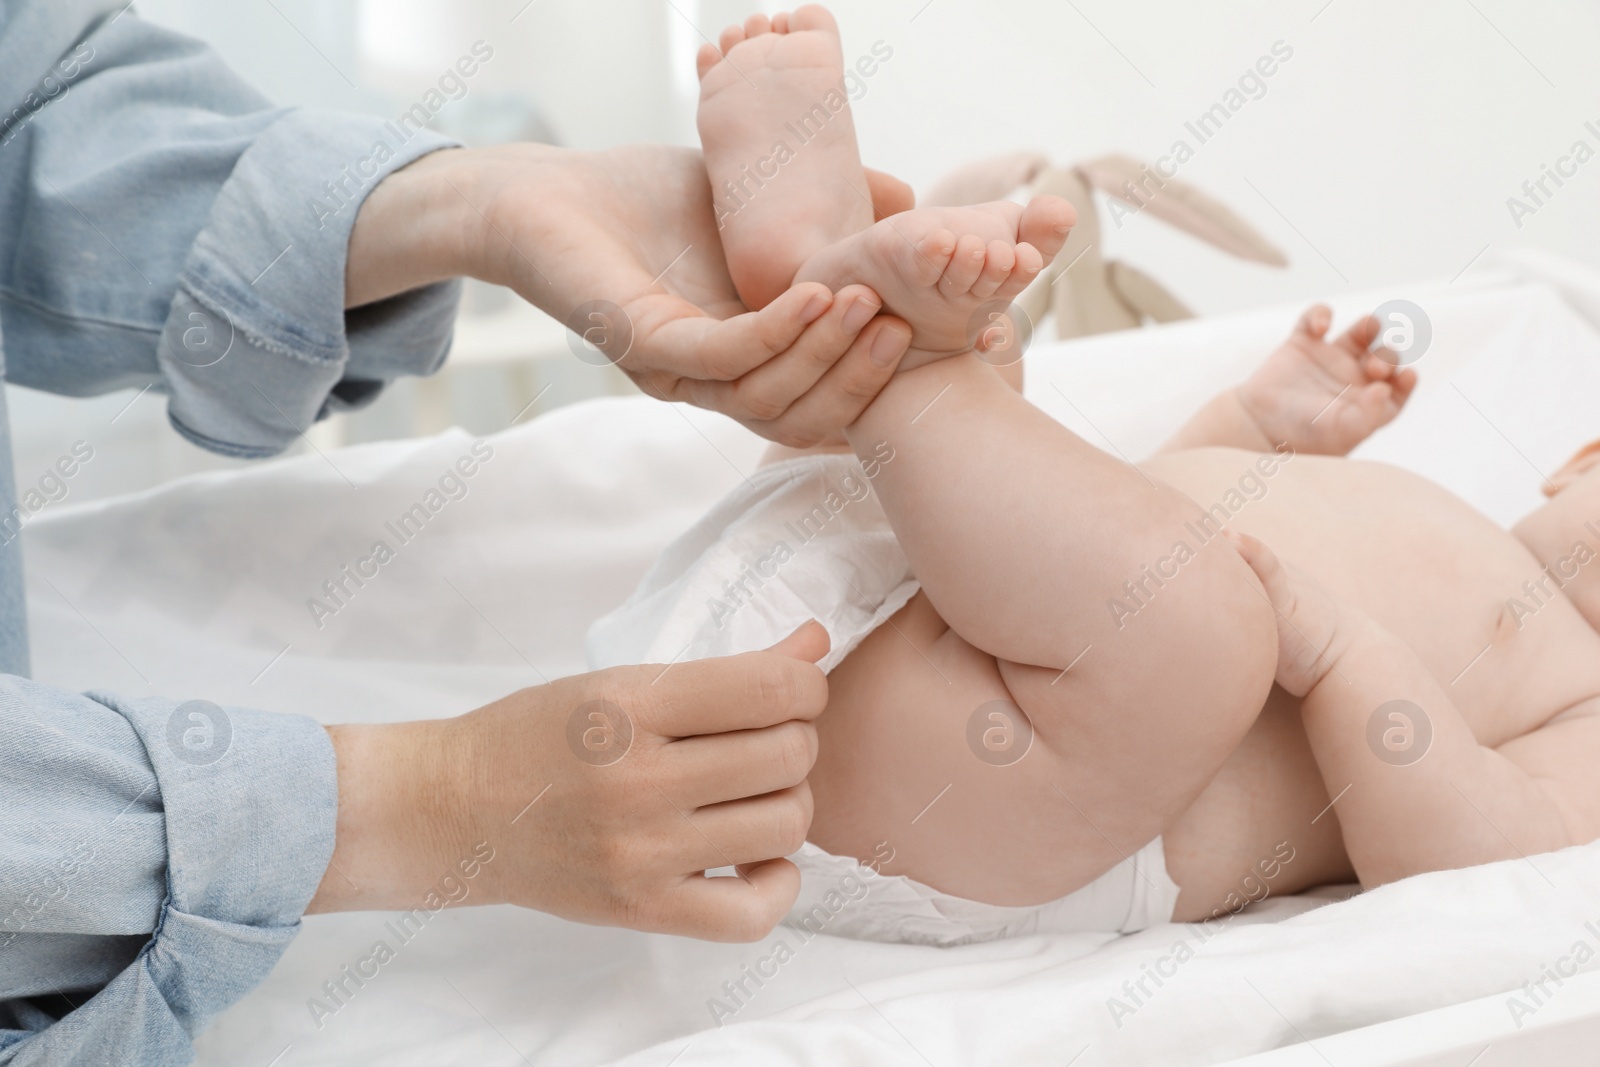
<point x="601" y="798"/>
<point x="622" y="245"/>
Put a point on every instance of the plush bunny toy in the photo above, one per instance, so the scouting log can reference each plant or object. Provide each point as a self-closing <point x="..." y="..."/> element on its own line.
<point x="1086" y="292"/>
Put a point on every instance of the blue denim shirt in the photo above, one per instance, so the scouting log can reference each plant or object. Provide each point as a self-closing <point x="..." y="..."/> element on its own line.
<point x="162" y="224"/>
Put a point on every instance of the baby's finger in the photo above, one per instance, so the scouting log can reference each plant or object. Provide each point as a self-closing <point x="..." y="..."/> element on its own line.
<point x="1402" y="384"/>
<point x="1264" y="562"/>
<point x="1315" y="322"/>
<point x="1358" y="338"/>
<point x="1378" y="368"/>
<point x="1374" y="406"/>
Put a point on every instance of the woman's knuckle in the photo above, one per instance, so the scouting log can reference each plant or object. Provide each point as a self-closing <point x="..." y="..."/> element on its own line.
<point x="792" y="436"/>
<point x="797" y="751"/>
<point x="763" y="407"/>
<point x="750" y="923"/>
<point x="792" y="823"/>
<point x="774" y="685"/>
<point x="860" y="386"/>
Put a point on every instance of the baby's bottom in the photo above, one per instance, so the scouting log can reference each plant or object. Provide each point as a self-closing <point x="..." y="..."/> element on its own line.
<point x="896" y="776"/>
<point x="1262" y="827"/>
<point x="918" y="762"/>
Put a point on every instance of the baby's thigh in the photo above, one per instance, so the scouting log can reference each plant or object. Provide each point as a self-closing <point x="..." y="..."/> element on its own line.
<point x="931" y="766"/>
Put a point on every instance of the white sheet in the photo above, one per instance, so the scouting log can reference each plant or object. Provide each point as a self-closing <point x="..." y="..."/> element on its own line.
<point x="200" y="589"/>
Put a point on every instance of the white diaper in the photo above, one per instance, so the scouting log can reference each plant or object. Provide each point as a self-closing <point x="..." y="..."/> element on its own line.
<point x="802" y="539"/>
<point x="840" y="896"/>
<point x="807" y="539"/>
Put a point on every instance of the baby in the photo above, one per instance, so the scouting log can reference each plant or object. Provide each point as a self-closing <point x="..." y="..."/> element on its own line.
<point x="1069" y="693"/>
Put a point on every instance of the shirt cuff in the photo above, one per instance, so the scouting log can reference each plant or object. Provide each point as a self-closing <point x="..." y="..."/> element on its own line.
<point x="251" y="802"/>
<point x="258" y="345"/>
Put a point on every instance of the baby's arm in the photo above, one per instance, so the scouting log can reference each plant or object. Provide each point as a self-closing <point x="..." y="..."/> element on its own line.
<point x="1049" y="555"/>
<point x="1311" y="394"/>
<point x="1413" y="788"/>
<point x="1222" y="422"/>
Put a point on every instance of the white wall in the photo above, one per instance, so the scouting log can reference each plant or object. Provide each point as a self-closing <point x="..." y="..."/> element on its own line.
<point x="1382" y="152"/>
<point x="1390" y="141"/>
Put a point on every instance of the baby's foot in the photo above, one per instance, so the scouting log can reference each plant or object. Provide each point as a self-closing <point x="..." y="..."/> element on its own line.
<point x="936" y="267"/>
<point x="1326" y="396"/>
<point x="780" y="147"/>
<point x="1314" y="629"/>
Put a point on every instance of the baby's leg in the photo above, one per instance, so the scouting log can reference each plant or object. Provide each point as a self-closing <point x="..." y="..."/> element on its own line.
<point x="1415" y="790"/>
<point x="1022" y="536"/>
<point x="780" y="147"/>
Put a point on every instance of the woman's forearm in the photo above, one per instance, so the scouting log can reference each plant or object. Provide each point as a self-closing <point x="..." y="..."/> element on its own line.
<point x="416" y="227"/>
<point x="396" y="797"/>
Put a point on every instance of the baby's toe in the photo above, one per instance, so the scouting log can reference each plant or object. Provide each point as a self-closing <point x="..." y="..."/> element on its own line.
<point x="1029" y="264"/>
<point x="929" y="257"/>
<point x="1045" y="224"/>
<point x="706" y="58"/>
<point x="813" y="17"/>
<point x="999" y="259"/>
<point x="965" y="266"/>
<point x="730" y="37"/>
<point x="756" y="25"/>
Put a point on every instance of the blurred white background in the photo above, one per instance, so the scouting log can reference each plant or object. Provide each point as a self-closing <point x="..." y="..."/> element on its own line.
<point x="1382" y="153"/>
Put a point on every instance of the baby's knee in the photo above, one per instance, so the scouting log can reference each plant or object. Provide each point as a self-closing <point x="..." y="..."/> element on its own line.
<point x="1229" y="651"/>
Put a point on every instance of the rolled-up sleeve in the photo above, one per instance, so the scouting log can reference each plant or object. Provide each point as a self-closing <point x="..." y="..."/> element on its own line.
<point x="159" y="856"/>
<point x="162" y="225"/>
<point x="165" y="226"/>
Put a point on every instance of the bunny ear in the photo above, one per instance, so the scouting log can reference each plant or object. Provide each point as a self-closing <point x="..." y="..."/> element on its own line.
<point x="1146" y="295"/>
<point x="986" y="180"/>
<point x="1183" y="206"/>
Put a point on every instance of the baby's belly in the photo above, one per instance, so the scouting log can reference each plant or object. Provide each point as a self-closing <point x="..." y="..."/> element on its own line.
<point x="1420" y="561"/>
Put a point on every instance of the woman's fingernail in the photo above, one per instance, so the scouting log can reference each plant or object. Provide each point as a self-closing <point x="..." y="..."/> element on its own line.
<point x="813" y="311"/>
<point x="859" y="315"/>
<point x="888" y="346"/>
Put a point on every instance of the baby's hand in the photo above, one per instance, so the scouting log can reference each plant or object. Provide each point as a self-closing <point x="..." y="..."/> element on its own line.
<point x="1314" y="629"/>
<point x="1326" y="396"/>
